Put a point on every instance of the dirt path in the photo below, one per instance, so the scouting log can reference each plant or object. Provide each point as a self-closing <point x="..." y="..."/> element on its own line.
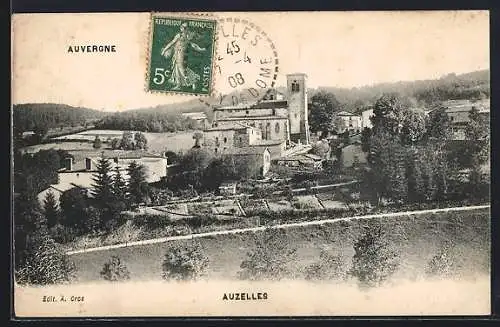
<point x="261" y="228"/>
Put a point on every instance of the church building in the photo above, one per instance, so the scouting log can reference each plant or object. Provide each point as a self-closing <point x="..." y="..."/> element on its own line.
<point x="277" y="122"/>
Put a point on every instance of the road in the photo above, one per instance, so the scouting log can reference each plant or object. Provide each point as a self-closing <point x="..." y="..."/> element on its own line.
<point x="261" y="228"/>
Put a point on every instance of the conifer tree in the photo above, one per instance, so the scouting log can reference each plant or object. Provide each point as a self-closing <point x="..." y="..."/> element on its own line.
<point x="51" y="211"/>
<point x="103" y="187"/>
<point x="119" y="186"/>
<point x="137" y="185"/>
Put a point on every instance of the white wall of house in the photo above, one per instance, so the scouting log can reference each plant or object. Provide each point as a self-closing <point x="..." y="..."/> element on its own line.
<point x="365" y="118"/>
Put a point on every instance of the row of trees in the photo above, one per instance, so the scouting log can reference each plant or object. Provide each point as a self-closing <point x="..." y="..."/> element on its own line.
<point x="155" y="122"/>
<point x="128" y="141"/>
<point x="409" y="157"/>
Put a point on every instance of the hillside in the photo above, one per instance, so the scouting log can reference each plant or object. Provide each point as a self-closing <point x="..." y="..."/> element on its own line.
<point x="166" y="117"/>
<point x="425" y="92"/>
<point x="45" y="116"/>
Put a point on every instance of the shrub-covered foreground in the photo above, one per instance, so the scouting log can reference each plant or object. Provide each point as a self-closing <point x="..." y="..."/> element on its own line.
<point x="417" y="243"/>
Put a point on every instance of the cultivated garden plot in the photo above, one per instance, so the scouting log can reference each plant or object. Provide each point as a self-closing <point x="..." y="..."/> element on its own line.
<point x="253" y="205"/>
<point x="279" y="205"/>
<point x="306" y="202"/>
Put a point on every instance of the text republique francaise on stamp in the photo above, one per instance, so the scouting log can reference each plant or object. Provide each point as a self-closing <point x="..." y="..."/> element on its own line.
<point x="181" y="55"/>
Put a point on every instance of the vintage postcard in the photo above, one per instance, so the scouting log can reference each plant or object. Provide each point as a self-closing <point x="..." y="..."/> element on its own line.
<point x="251" y="164"/>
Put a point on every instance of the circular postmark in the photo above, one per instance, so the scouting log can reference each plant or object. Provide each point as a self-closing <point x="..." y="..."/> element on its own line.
<point x="245" y="63"/>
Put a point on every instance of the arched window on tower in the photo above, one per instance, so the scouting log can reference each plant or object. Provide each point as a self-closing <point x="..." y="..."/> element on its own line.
<point x="277" y="128"/>
<point x="268" y="131"/>
<point x="295" y="86"/>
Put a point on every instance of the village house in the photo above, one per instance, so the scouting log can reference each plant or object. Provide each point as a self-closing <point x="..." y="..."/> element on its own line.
<point x="199" y="117"/>
<point x="81" y="174"/>
<point x="458" y="111"/>
<point x="366" y="118"/>
<point x="258" y="155"/>
<point x="57" y="190"/>
<point x="352" y="122"/>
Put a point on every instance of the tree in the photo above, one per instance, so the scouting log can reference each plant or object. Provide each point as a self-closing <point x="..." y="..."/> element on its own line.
<point x="116" y="143"/>
<point x="322" y="112"/>
<point x="185" y="262"/>
<point x="73" y="204"/>
<point x="387" y="159"/>
<point x="97" y="143"/>
<point x="270" y="258"/>
<point x="441" y="263"/>
<point x="127" y="141"/>
<point x="413" y="126"/>
<point x="93" y="221"/>
<point x="119" y="186"/>
<point x="51" y="211"/>
<point x="373" y="261"/>
<point x="137" y="185"/>
<point x="320" y="148"/>
<point x="103" y="184"/>
<point x="172" y="157"/>
<point x="388" y="113"/>
<point x="438" y="125"/>
<point x="477" y="131"/>
<point x="328" y="267"/>
<point x="140" y="141"/>
<point x="114" y="270"/>
<point x="366" y="134"/>
<point x="197" y="136"/>
<point x="46" y="262"/>
<point x="339" y="125"/>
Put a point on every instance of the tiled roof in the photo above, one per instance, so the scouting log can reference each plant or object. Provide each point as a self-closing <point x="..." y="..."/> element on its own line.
<point x="345" y="113"/>
<point x="249" y="150"/>
<point x="63" y="187"/>
<point x="252" y="118"/>
<point x="268" y="142"/>
<point x="228" y="126"/>
<point x="195" y="115"/>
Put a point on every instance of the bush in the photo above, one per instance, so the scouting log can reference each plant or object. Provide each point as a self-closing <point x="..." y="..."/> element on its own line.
<point x="46" y="263"/>
<point x="269" y="259"/>
<point x="328" y="267"/>
<point x="374" y="261"/>
<point x="62" y="234"/>
<point x="152" y="221"/>
<point x="185" y="262"/>
<point x="441" y="263"/>
<point x="114" y="270"/>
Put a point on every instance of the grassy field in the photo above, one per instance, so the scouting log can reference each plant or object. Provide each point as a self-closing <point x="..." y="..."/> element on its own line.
<point x="81" y="144"/>
<point x="416" y="238"/>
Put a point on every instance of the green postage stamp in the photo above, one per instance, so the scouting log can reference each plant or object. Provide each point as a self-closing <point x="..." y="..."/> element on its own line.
<point x="180" y="55"/>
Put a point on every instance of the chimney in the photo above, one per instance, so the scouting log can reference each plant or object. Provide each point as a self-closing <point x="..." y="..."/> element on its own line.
<point x="68" y="163"/>
<point x="88" y="164"/>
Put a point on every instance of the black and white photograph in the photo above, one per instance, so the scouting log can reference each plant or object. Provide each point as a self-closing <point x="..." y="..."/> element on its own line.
<point x="339" y="166"/>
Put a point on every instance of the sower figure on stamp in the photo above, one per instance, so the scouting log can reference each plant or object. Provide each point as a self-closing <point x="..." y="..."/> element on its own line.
<point x="181" y="74"/>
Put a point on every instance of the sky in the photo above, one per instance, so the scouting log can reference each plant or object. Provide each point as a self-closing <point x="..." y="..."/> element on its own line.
<point x="343" y="49"/>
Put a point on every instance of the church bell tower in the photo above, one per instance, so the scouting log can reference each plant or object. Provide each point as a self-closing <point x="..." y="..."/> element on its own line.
<point x="297" y="107"/>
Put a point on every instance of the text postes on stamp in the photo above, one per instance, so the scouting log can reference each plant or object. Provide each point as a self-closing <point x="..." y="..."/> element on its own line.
<point x="181" y="55"/>
<point x="246" y="62"/>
